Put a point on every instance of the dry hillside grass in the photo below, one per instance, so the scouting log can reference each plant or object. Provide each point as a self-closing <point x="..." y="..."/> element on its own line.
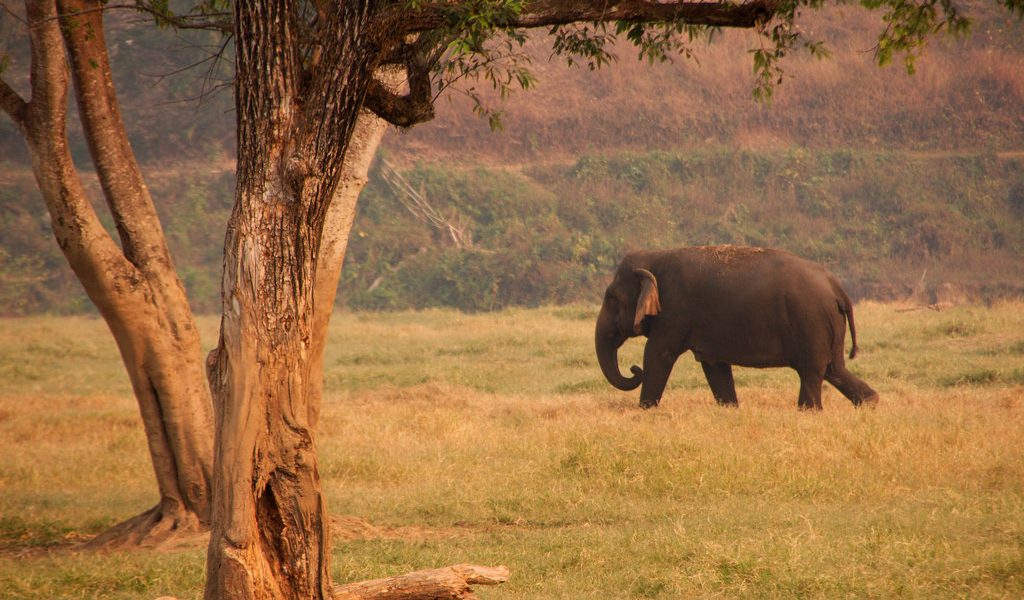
<point x="491" y="438"/>
<point x="965" y="95"/>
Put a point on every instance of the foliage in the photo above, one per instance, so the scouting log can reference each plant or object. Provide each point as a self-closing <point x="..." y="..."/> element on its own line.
<point x="909" y="25"/>
<point x="474" y="44"/>
<point x="552" y="233"/>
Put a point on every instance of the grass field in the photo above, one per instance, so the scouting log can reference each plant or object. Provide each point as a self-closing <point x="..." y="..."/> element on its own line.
<point x="493" y="439"/>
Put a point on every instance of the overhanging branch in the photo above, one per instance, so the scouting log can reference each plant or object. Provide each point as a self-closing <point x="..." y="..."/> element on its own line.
<point x="11" y="103"/>
<point x="213" y="21"/>
<point x="548" y="13"/>
<point x="416" y="106"/>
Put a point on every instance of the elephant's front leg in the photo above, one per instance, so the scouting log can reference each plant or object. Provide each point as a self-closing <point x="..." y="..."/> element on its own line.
<point x="658" y="363"/>
<point x="719" y="376"/>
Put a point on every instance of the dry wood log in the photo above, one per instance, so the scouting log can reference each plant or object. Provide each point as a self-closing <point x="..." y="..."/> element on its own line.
<point x="428" y="584"/>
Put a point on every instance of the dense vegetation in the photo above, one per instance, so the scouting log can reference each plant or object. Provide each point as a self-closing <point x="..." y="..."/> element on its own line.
<point x="507" y="447"/>
<point x="553" y="232"/>
<point x="880" y="175"/>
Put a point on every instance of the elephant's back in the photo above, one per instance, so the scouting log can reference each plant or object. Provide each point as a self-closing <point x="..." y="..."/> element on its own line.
<point x="755" y="307"/>
<point x="748" y="263"/>
<point x="744" y="273"/>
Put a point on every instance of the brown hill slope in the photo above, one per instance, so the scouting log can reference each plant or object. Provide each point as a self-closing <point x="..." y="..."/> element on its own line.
<point x="966" y="95"/>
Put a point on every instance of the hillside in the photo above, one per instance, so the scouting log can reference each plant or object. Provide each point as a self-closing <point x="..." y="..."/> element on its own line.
<point x="966" y="95"/>
<point x="881" y="175"/>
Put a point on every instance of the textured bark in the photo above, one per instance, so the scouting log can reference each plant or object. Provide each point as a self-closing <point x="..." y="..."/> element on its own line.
<point x="135" y="288"/>
<point x="366" y="138"/>
<point x="270" y="528"/>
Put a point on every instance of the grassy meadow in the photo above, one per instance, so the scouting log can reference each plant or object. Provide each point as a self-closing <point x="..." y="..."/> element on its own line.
<point x="493" y="439"/>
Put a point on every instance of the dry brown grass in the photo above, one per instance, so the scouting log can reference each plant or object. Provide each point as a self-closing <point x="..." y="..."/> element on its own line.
<point x="450" y="438"/>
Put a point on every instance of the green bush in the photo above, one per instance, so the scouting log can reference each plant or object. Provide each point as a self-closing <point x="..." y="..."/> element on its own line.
<point x="553" y="233"/>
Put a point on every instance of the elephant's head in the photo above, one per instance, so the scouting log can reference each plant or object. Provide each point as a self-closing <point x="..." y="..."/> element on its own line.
<point x="629" y="300"/>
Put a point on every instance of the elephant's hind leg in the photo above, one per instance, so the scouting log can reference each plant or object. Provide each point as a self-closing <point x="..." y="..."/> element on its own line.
<point x="850" y="385"/>
<point x="810" y="390"/>
<point x="719" y="376"/>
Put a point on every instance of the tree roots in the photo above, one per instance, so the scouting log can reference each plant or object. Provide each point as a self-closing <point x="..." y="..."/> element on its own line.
<point x="160" y="528"/>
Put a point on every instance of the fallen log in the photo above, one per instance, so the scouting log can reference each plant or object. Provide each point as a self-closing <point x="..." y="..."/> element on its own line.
<point x="429" y="584"/>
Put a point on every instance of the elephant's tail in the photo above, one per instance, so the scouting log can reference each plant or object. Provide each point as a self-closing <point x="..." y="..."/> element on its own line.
<point x="846" y="307"/>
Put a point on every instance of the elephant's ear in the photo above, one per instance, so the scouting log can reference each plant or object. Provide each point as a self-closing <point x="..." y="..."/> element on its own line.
<point x="648" y="304"/>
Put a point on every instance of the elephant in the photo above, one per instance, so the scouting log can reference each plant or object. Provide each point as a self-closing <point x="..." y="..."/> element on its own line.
<point x="729" y="305"/>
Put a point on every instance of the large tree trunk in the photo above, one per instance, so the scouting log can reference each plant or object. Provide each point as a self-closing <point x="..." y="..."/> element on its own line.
<point x="135" y="286"/>
<point x="270" y="529"/>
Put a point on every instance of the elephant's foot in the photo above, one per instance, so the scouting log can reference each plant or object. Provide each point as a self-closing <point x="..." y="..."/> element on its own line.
<point x="645" y="404"/>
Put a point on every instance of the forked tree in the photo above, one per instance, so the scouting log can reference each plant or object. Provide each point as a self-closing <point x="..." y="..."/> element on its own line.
<point x="133" y="283"/>
<point x="304" y="72"/>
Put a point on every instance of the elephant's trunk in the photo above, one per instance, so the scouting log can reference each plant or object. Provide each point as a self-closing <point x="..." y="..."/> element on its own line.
<point x="608" y="340"/>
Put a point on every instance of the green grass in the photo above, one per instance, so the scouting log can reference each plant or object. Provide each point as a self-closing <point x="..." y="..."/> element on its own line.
<point x="492" y="439"/>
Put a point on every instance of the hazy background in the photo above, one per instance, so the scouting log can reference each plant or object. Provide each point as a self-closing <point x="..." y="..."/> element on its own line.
<point x="882" y="176"/>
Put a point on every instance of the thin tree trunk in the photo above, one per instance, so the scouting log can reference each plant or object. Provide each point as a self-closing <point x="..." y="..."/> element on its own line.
<point x="366" y="138"/>
<point x="134" y="287"/>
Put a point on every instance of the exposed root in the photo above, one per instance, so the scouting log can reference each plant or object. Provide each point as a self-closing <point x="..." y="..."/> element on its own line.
<point x="158" y="528"/>
<point x="447" y="583"/>
<point x="161" y="529"/>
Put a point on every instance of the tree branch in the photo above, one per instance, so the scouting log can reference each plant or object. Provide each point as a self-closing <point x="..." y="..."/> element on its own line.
<point x="215" y="21"/>
<point x="12" y="103"/>
<point x="414" y="107"/>
<point x="548" y="13"/>
<point x="434" y="584"/>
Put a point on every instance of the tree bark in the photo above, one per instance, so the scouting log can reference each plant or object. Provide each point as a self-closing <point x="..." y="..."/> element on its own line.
<point x="366" y="138"/>
<point x="270" y="529"/>
<point x="135" y="286"/>
<point x="548" y="13"/>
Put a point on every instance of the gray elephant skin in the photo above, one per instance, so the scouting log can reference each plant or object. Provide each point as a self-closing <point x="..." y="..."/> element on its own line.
<point x="729" y="305"/>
